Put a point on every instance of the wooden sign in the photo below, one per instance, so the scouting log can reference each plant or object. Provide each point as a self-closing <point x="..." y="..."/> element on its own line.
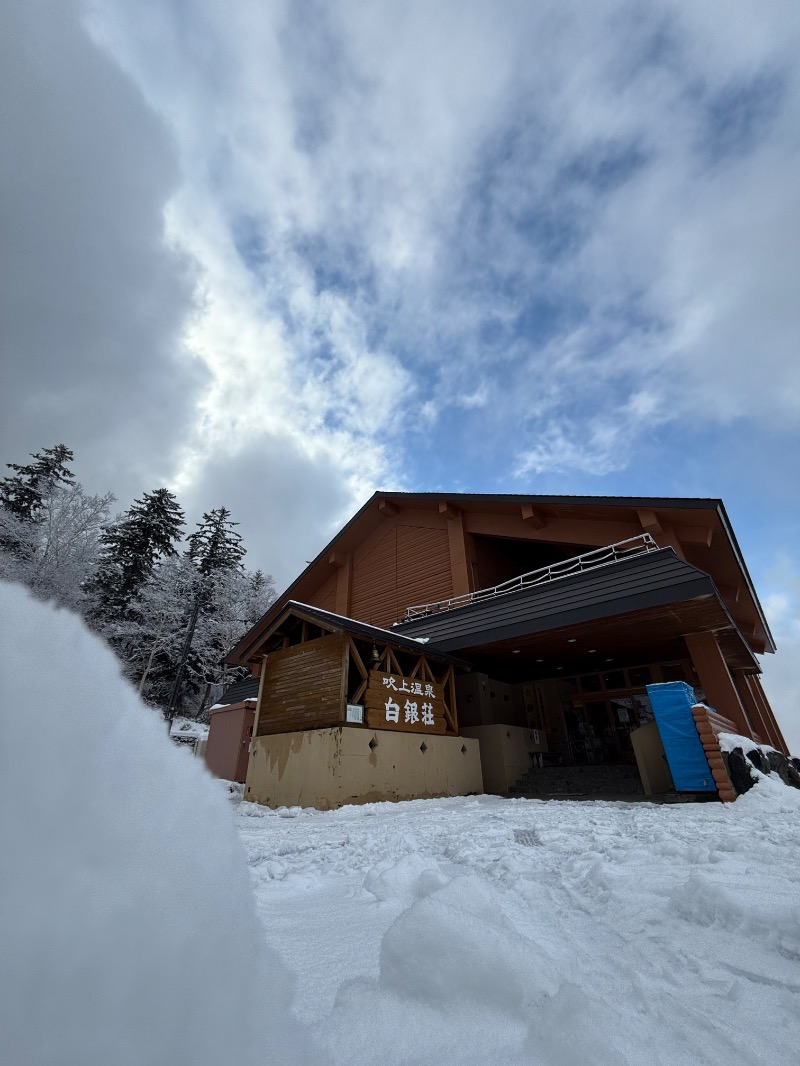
<point x="404" y="703"/>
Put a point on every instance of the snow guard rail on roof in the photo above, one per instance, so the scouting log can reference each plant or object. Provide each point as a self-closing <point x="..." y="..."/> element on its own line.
<point x="566" y="568"/>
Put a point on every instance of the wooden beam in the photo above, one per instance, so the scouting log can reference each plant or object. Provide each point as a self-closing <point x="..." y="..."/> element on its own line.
<point x="357" y="659"/>
<point x="534" y="517"/>
<point x="448" y="509"/>
<point x="650" y="522"/>
<point x="345" y="676"/>
<point x="388" y="508"/>
<point x="702" y="535"/>
<point x="393" y="667"/>
<point x="457" y="547"/>
<point x="260" y="697"/>
<point x="730" y="593"/>
<point x="668" y="538"/>
<point x="343" y="582"/>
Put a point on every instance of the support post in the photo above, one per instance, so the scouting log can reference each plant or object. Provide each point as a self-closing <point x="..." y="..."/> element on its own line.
<point x="720" y="691"/>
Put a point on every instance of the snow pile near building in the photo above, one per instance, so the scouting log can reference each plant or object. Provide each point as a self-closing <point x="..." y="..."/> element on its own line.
<point x="189" y="727"/>
<point x="128" y="928"/>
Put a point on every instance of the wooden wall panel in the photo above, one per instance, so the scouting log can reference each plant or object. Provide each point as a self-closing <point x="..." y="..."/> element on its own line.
<point x="303" y="686"/>
<point x="325" y="597"/>
<point x="423" y="567"/>
<point x="373" y="595"/>
<point x="408" y="565"/>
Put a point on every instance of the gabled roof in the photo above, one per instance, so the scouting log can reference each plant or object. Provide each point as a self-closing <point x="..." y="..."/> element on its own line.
<point x="338" y="623"/>
<point x="371" y="514"/>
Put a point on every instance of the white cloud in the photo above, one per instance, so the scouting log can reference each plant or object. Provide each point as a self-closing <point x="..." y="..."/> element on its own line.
<point x="93" y="299"/>
<point x="425" y="226"/>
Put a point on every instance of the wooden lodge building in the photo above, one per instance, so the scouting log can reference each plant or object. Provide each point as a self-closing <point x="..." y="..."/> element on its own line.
<point x="443" y="645"/>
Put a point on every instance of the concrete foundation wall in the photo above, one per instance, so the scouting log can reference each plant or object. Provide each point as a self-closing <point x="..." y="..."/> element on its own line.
<point x="327" y="768"/>
<point x="505" y="753"/>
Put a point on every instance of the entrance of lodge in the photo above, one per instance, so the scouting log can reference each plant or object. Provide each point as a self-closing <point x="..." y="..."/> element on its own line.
<point x="576" y="733"/>
<point x="601" y="710"/>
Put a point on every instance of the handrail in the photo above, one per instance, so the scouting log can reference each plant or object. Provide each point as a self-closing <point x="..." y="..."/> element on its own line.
<point x="637" y="545"/>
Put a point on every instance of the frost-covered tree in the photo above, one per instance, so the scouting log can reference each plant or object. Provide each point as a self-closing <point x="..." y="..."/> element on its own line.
<point x="24" y="493"/>
<point x="148" y="531"/>
<point x="219" y="607"/>
<point x="70" y="526"/>
<point x="157" y="635"/>
<point x="216" y="545"/>
<point x="150" y="636"/>
<point x="236" y="602"/>
<point x="23" y="496"/>
<point x="50" y="528"/>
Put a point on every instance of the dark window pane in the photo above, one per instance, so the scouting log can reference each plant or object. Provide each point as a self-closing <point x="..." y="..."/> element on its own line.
<point x="640" y="675"/>
<point x="614" y="679"/>
<point x="673" y="672"/>
<point x="590" y="683"/>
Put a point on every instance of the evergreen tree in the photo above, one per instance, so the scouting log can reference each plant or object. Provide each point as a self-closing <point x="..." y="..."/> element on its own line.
<point x="216" y="545"/>
<point x="216" y="550"/>
<point x="147" y="532"/>
<point x="23" y="494"/>
<point x="23" y="497"/>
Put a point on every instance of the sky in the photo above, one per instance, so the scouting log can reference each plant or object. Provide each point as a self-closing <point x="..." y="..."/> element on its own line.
<point x="278" y="255"/>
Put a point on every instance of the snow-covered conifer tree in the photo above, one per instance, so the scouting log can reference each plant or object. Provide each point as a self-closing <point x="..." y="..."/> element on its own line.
<point x="50" y="528"/>
<point x="216" y="545"/>
<point x="22" y="496"/>
<point x="131" y="547"/>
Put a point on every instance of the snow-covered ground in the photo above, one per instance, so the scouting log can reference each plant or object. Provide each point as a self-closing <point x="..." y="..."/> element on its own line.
<point x="482" y="930"/>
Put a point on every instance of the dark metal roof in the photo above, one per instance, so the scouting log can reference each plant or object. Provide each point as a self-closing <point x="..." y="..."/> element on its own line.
<point x="240" y="690"/>
<point x="644" y="581"/>
<point x="338" y="622"/>
<point x="683" y="502"/>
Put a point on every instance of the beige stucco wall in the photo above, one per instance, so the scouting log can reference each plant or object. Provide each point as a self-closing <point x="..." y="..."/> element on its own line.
<point x="505" y="753"/>
<point x="327" y="768"/>
<point x="651" y="760"/>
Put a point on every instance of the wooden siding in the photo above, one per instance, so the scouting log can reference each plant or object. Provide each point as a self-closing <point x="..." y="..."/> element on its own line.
<point x="407" y="565"/>
<point x="303" y="687"/>
<point x="326" y="596"/>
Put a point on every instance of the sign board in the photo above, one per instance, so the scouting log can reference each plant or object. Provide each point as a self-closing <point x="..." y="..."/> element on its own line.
<point x="355" y="712"/>
<point x="404" y="703"/>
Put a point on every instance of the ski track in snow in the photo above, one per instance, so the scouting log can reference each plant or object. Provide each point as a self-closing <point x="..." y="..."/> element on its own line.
<point x="479" y="930"/>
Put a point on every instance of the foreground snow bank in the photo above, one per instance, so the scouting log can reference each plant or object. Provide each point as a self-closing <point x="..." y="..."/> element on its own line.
<point x="128" y="928"/>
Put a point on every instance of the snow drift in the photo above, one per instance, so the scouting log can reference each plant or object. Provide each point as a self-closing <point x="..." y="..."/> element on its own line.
<point x="128" y="924"/>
